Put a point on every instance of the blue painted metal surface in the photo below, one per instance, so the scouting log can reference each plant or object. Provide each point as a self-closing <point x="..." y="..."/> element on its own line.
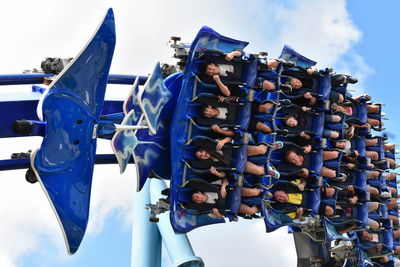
<point x="146" y="239"/>
<point x="149" y="106"/>
<point x="72" y="106"/>
<point x="289" y="54"/>
<point x="24" y="163"/>
<point x="181" y="220"/>
<point x="37" y="78"/>
<point x="26" y="109"/>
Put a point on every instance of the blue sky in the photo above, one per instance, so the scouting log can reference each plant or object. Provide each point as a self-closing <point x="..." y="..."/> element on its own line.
<point x="357" y="36"/>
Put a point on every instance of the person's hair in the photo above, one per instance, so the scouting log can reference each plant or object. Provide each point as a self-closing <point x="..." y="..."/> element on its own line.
<point x="214" y="154"/>
<point x="202" y="110"/>
<point x="287" y="152"/>
<point x="204" y="65"/>
<point x="288" y="116"/>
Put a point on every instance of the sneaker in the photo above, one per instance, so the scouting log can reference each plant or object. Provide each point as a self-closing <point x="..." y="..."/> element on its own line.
<point x="386" y="194"/>
<point x="278" y="145"/>
<point x="274" y="174"/>
<point x="287" y="88"/>
<point x="352" y="80"/>
<point x="348" y="145"/>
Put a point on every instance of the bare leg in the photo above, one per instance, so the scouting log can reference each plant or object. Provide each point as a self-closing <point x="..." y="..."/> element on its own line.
<point x="372" y="206"/>
<point x="265" y="107"/>
<point x="395" y="219"/>
<point x="256" y="150"/>
<point x="268" y="85"/>
<point x="371" y="142"/>
<point x="373" y="191"/>
<point x="340" y="98"/>
<point x="254" y="169"/>
<point x="250" y="192"/>
<point x="334" y="134"/>
<point x="328" y="155"/>
<point x="329" y="191"/>
<point x="373" y="174"/>
<point x="391" y="162"/>
<point x="244" y="209"/>
<point x="328" y="172"/>
<point x="373" y="224"/>
<point x="263" y="127"/>
<point x="273" y="63"/>
<point x="374" y="122"/>
<point x="336" y="118"/>
<point x="389" y="147"/>
<point x="372" y="154"/>
<point x="328" y="211"/>
<point x="373" y="108"/>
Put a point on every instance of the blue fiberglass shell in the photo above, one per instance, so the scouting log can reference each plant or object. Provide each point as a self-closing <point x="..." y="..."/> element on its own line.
<point x="180" y="128"/>
<point x="289" y="54"/>
<point x="72" y="106"/>
<point x="150" y="105"/>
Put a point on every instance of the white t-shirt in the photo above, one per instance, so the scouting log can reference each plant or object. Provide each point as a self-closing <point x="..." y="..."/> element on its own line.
<point x="223" y="113"/>
<point x="225" y="68"/>
<point x="212" y="197"/>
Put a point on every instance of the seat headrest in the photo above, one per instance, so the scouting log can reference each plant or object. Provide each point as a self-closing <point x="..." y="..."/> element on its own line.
<point x="189" y="152"/>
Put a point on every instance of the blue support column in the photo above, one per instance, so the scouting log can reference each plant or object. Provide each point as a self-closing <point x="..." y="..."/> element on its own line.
<point x="178" y="246"/>
<point x="146" y="239"/>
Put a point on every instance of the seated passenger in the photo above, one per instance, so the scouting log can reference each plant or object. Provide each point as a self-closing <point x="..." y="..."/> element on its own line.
<point x="346" y="211"/>
<point x="230" y="71"/>
<point x="289" y="198"/>
<point x="300" y="78"/>
<point x="220" y="112"/>
<point x="209" y="155"/>
<point x="215" y="199"/>
<point x="298" y="160"/>
<point x="373" y="240"/>
<point x="307" y="99"/>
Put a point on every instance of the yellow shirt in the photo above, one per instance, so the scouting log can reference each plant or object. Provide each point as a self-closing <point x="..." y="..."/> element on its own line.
<point x="295" y="198"/>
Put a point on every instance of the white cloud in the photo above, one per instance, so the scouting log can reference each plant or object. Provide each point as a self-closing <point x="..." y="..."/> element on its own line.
<point x="243" y="244"/>
<point x="43" y="28"/>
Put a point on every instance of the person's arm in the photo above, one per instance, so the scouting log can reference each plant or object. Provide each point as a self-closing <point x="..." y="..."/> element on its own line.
<point x="307" y="149"/>
<point x="348" y="229"/>
<point x="353" y="200"/>
<point x="223" y="188"/>
<point x="301" y="186"/>
<point x="231" y="55"/>
<point x="217" y="173"/>
<point x="311" y="70"/>
<point x="227" y="98"/>
<point x="303" y="173"/>
<point x="216" y="213"/>
<point x="218" y="129"/>
<point x="299" y="212"/>
<point x="222" y="142"/>
<point x="222" y="87"/>
<point x="304" y="135"/>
